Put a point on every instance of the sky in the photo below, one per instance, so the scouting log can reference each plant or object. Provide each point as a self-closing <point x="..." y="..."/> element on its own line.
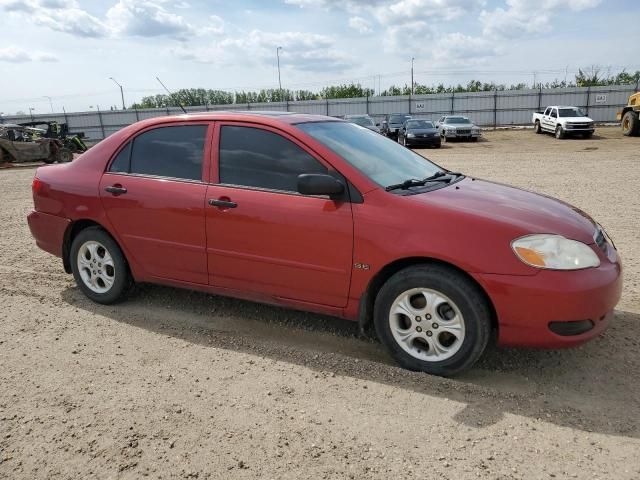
<point x="69" y="49"/>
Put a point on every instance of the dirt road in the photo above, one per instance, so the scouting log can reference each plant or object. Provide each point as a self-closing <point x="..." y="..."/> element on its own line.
<point x="177" y="384"/>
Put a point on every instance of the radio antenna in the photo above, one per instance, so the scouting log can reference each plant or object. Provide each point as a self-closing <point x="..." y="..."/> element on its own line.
<point x="170" y="94"/>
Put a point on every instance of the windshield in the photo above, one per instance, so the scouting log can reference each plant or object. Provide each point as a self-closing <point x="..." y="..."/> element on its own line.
<point x="382" y="160"/>
<point x="571" y="112"/>
<point x="420" y="124"/>
<point x="362" y="121"/>
<point x="398" y="118"/>
<point x="456" y="120"/>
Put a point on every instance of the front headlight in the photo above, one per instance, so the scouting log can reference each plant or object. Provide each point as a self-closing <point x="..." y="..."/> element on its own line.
<point x="554" y="252"/>
<point x="411" y="135"/>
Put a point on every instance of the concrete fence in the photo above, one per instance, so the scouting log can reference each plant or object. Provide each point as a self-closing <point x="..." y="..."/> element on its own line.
<point x="487" y="109"/>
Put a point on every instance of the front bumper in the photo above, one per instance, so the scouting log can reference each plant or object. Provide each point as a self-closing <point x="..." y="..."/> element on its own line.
<point x="455" y="134"/>
<point x="423" y="141"/>
<point x="48" y="231"/>
<point x="530" y="308"/>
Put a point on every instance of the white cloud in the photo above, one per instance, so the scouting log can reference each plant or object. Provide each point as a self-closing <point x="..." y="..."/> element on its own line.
<point x="525" y="17"/>
<point x="14" y="54"/>
<point x="147" y="19"/>
<point x="360" y="24"/>
<point x="459" y="49"/>
<point x="300" y="50"/>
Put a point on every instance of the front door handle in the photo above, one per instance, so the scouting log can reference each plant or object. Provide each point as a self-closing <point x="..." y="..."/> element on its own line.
<point x="222" y="203"/>
<point x="116" y="189"/>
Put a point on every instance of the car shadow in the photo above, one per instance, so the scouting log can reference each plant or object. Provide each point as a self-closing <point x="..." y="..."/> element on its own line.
<point x="563" y="387"/>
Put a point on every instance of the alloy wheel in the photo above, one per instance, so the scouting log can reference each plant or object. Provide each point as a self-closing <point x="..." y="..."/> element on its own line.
<point x="96" y="266"/>
<point x="427" y="324"/>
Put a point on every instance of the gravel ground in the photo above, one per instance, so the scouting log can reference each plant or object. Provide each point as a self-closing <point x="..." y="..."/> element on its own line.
<point x="178" y="384"/>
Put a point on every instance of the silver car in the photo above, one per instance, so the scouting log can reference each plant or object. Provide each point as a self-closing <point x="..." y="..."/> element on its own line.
<point x="457" y="126"/>
<point x="364" y="121"/>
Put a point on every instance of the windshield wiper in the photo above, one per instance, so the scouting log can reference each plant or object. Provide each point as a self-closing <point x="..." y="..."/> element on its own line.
<point x="414" y="182"/>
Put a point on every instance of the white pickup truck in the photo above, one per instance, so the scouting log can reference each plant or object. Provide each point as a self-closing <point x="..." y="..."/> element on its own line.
<point x="563" y="121"/>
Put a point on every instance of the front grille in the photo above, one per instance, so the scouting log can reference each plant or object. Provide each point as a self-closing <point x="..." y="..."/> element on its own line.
<point x="578" y="125"/>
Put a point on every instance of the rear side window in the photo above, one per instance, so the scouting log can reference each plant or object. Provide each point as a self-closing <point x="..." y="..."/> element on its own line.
<point x="258" y="158"/>
<point x="121" y="162"/>
<point x="174" y="152"/>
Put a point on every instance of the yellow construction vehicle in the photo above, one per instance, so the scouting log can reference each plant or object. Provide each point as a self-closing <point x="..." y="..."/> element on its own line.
<point x="629" y="116"/>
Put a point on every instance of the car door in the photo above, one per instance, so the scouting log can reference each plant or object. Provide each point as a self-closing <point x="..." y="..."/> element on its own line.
<point x="153" y="193"/>
<point x="263" y="236"/>
<point x="553" y="117"/>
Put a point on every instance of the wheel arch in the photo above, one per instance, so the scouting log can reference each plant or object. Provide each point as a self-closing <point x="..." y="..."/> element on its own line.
<point x="73" y="230"/>
<point x="365" y="311"/>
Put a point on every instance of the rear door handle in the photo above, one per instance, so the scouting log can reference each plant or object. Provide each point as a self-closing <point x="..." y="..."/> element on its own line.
<point x="222" y="203"/>
<point x="116" y="189"/>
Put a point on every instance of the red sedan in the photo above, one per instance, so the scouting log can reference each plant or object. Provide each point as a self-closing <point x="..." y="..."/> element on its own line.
<point x="319" y="214"/>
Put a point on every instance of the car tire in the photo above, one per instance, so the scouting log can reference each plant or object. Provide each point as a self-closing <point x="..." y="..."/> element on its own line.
<point x="64" y="155"/>
<point x="559" y="132"/>
<point x="587" y="135"/>
<point x="444" y="339"/>
<point x="631" y="124"/>
<point x="99" y="266"/>
<point x="438" y="145"/>
<point x="537" y="128"/>
<point x="474" y="139"/>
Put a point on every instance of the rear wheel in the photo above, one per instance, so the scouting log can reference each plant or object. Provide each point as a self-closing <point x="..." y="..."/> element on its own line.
<point x="432" y="319"/>
<point x="630" y="124"/>
<point x="99" y="267"/>
<point x="559" y="132"/>
<point x="537" y="128"/>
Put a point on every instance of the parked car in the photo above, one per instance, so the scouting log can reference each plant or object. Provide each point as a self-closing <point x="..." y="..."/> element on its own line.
<point x="318" y="214"/>
<point x="364" y="121"/>
<point x="457" y="127"/>
<point x="26" y="144"/>
<point x="419" y="133"/>
<point x="563" y="121"/>
<point x="392" y="123"/>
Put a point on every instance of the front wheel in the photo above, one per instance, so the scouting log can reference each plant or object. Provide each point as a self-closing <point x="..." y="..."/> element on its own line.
<point x="99" y="267"/>
<point x="559" y="132"/>
<point x="432" y="319"/>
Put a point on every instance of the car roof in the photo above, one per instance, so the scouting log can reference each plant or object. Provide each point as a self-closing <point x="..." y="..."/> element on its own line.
<point x="267" y="117"/>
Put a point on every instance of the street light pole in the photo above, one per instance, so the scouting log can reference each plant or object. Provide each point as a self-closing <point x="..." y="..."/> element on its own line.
<point x="50" y="102"/>
<point x="121" y="92"/>
<point x="412" y="59"/>
<point x="279" y="80"/>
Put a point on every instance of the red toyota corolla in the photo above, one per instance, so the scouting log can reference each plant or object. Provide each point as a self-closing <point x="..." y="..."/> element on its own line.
<point x="319" y="214"/>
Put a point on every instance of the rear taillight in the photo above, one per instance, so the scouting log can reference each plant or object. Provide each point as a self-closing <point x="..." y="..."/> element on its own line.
<point x="36" y="186"/>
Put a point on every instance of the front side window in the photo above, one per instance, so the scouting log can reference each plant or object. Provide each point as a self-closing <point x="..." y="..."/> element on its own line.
<point x="174" y="151"/>
<point x="254" y="157"/>
<point x="383" y="161"/>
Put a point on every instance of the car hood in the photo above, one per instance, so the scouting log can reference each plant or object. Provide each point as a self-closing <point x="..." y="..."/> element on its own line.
<point x="521" y="211"/>
<point x="422" y="130"/>
<point x="464" y="126"/>
<point x="577" y="119"/>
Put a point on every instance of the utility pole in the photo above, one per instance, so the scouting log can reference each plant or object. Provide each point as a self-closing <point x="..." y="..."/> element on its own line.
<point x="279" y="80"/>
<point x="121" y="92"/>
<point x="50" y="102"/>
<point x="31" y="109"/>
<point x="412" y="59"/>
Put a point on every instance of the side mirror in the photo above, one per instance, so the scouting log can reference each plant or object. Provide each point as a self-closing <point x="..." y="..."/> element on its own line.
<point x="319" y="184"/>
